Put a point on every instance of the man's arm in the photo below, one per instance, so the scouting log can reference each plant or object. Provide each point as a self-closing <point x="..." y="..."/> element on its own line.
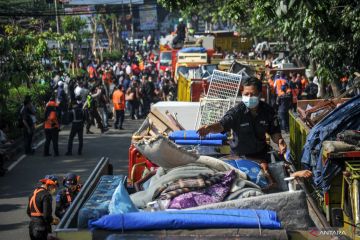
<point x="98" y="92"/>
<point x="278" y="139"/>
<point x="212" y="128"/>
<point x="225" y="124"/>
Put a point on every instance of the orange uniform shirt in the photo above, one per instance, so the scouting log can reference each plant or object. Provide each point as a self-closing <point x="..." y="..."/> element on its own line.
<point x="52" y="119"/>
<point x="119" y="100"/>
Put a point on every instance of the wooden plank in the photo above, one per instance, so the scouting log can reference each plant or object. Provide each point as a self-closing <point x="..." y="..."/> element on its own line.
<point x="173" y="120"/>
<point x="161" y="126"/>
<point x="164" y="119"/>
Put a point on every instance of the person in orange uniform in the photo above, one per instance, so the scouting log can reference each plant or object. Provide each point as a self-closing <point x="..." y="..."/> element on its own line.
<point x="304" y="83"/>
<point x="39" y="209"/>
<point x="119" y="106"/>
<point x="278" y="84"/>
<point x="51" y="126"/>
<point x="272" y="90"/>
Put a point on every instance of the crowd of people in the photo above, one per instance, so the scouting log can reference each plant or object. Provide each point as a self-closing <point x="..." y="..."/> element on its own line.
<point x="286" y="90"/>
<point x="106" y="91"/>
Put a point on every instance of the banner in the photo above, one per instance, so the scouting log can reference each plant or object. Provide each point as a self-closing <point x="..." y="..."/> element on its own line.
<point x="148" y="17"/>
<point x="80" y="9"/>
<point x="104" y="2"/>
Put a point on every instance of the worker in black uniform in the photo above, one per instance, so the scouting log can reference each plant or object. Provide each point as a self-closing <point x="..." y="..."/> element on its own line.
<point x="250" y="120"/>
<point x="40" y="209"/>
<point x="77" y="117"/>
<point x="67" y="195"/>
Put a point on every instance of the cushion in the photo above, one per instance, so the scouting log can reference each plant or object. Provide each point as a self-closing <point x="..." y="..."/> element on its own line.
<point x="165" y="153"/>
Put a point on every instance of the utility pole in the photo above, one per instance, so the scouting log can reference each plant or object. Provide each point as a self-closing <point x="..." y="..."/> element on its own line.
<point x="57" y="17"/>
<point x="57" y="23"/>
<point x="132" y="20"/>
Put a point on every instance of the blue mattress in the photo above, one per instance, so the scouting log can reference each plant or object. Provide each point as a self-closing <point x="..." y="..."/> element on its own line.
<point x="193" y="50"/>
<point x="193" y="135"/>
<point x="98" y="203"/>
<point x="194" y="219"/>
<point x="200" y="142"/>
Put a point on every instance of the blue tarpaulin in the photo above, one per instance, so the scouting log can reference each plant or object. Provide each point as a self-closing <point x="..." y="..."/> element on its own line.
<point x="193" y="135"/>
<point x="195" y="219"/>
<point x="344" y="117"/>
<point x="200" y="142"/>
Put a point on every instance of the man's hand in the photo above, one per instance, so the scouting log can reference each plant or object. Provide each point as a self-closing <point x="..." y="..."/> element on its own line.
<point x="203" y="131"/>
<point x="282" y="146"/>
<point x="302" y="174"/>
<point x="55" y="221"/>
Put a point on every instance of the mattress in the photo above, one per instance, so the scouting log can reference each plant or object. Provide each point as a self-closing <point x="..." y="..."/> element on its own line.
<point x="196" y="219"/>
<point x="193" y="135"/>
<point x="200" y="142"/>
<point x="97" y="204"/>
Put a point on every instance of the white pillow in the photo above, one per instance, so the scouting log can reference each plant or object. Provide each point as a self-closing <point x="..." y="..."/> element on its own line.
<point x="165" y="153"/>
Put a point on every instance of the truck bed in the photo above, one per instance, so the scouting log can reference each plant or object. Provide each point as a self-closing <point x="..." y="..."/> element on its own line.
<point x="68" y="229"/>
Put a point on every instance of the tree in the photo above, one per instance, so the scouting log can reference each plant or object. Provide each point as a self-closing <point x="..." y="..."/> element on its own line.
<point x="324" y="33"/>
<point x="25" y="65"/>
<point x="76" y="26"/>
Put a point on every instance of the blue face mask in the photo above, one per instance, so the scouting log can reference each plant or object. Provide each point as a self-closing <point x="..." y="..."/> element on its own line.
<point x="250" y="102"/>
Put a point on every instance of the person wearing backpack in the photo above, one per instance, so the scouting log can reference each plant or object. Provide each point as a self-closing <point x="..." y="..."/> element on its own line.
<point x="77" y="128"/>
<point x="51" y="126"/>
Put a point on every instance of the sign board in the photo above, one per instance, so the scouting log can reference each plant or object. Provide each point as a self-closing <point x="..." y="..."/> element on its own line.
<point x="104" y="2"/>
<point x="148" y="17"/>
<point x="80" y="9"/>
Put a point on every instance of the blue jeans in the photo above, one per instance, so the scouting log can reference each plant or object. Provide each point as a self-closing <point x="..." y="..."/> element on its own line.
<point x="284" y="121"/>
<point x="104" y="116"/>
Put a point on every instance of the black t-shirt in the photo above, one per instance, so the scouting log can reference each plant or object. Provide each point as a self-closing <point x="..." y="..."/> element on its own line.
<point x="149" y="89"/>
<point x="166" y="89"/>
<point x="249" y="131"/>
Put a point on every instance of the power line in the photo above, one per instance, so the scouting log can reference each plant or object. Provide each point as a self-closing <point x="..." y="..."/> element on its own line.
<point x="63" y="13"/>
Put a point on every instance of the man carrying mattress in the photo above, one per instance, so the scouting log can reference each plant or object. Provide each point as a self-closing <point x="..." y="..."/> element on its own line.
<point x="250" y="120"/>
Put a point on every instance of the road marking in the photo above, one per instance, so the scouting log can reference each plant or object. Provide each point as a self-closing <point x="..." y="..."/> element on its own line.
<point x="39" y="144"/>
<point x="16" y="162"/>
<point x="22" y="157"/>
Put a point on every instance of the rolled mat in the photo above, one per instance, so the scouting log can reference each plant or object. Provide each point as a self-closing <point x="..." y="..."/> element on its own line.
<point x="193" y="135"/>
<point x="194" y="219"/>
<point x="200" y="142"/>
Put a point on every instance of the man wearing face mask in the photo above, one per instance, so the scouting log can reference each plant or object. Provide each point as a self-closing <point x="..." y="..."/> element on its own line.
<point x="250" y="120"/>
<point x="40" y="209"/>
<point x="67" y="195"/>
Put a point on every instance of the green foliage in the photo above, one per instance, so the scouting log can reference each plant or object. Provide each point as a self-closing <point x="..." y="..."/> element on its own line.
<point x="324" y="32"/>
<point x="40" y="93"/>
<point x="113" y="56"/>
<point x="23" y="56"/>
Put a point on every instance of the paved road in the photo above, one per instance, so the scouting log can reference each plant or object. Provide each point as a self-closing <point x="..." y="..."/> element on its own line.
<point x="16" y="185"/>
